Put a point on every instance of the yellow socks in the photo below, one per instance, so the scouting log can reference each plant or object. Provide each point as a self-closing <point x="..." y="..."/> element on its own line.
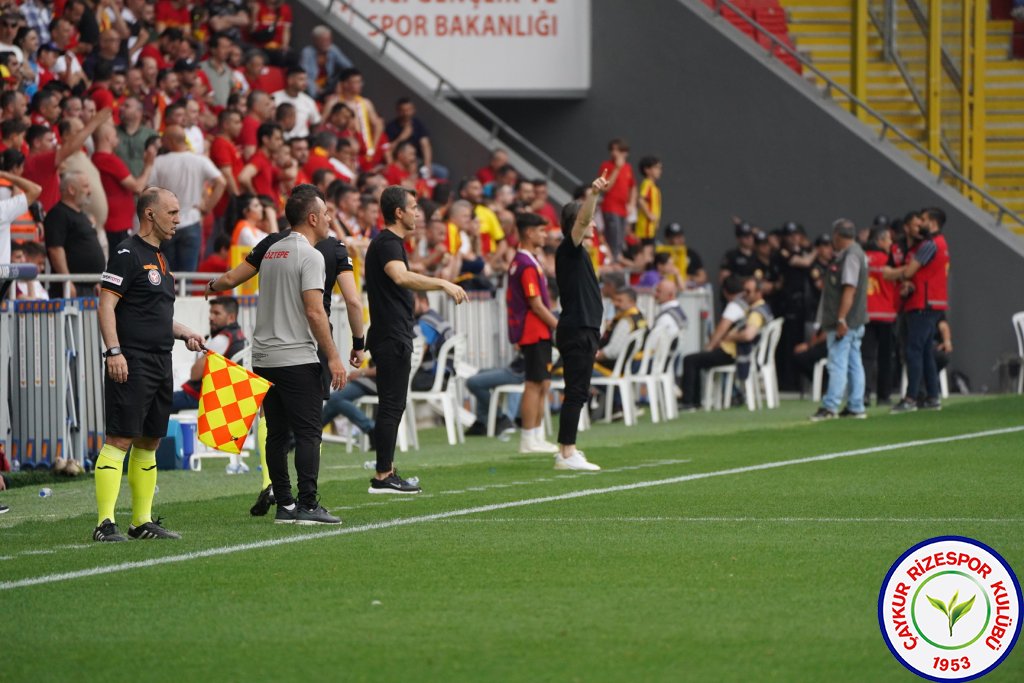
<point x="142" y="479"/>
<point x="108" y="480"/>
<point x="261" y="439"/>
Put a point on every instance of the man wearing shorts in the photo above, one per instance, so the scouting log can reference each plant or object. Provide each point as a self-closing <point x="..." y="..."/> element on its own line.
<point x="136" y="312"/>
<point x="530" y="322"/>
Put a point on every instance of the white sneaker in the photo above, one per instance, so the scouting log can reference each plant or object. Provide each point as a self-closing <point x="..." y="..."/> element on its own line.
<point x="528" y="444"/>
<point x="577" y="461"/>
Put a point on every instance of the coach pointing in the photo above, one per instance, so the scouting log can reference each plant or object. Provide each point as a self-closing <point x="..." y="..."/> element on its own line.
<point x="580" y="323"/>
<point x="388" y="285"/>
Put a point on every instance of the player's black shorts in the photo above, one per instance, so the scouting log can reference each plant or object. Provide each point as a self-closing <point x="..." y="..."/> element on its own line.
<point x="537" y="358"/>
<point x="142" y="405"/>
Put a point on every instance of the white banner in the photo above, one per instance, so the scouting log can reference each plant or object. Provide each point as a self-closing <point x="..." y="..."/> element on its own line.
<point x="489" y="48"/>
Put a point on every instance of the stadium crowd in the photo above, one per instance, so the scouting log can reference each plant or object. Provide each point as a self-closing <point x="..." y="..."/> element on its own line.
<point x="217" y="103"/>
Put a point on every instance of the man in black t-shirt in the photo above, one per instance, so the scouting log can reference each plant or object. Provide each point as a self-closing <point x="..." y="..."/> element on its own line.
<point x="388" y="285"/>
<point x="71" y="241"/>
<point x="136" y="313"/>
<point x="579" y="326"/>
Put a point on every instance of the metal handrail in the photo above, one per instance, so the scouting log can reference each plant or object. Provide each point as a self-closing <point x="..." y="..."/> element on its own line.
<point x="497" y="125"/>
<point x="901" y="66"/>
<point x="947" y="62"/>
<point x="944" y="168"/>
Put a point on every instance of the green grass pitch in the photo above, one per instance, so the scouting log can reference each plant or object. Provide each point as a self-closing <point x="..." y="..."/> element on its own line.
<point x="767" y="574"/>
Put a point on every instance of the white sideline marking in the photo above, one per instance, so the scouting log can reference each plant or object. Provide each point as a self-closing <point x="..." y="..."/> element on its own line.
<point x="774" y="520"/>
<point x="406" y="521"/>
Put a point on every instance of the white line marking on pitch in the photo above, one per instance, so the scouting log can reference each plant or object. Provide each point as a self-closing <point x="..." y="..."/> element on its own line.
<point x="406" y="521"/>
<point x="773" y="520"/>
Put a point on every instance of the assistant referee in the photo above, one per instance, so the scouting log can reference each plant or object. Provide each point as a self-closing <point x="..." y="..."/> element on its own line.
<point x="580" y="323"/>
<point x="136" y="312"/>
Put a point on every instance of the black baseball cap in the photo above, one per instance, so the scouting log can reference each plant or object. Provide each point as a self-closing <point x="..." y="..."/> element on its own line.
<point x="744" y="229"/>
<point x="822" y="240"/>
<point x="673" y="230"/>
<point x="760" y="236"/>
<point x="790" y="228"/>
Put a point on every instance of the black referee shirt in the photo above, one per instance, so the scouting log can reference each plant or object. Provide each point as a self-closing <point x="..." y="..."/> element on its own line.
<point x="335" y="253"/>
<point x="391" y="306"/>
<point x="137" y="273"/>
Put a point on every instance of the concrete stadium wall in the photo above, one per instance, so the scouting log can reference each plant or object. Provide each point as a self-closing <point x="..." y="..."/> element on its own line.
<point x="740" y="135"/>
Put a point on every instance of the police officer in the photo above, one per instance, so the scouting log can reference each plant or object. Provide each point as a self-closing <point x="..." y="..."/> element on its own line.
<point x="793" y="261"/>
<point x="136" y="312"/>
<point x="739" y="261"/>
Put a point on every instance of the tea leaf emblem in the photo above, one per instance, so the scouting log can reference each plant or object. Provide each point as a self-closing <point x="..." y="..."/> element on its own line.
<point x="954" y="612"/>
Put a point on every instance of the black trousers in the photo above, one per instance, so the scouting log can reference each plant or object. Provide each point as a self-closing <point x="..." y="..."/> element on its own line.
<point x="693" y="364"/>
<point x="577" y="346"/>
<point x="393" y="358"/>
<point x="293" y="405"/>
<point x="878" y="348"/>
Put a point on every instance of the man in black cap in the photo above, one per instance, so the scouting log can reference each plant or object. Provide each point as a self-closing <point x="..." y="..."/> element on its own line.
<point x="739" y="261"/>
<point x="687" y="261"/>
<point x="843" y="313"/>
<point x="766" y="269"/>
<point x="793" y="261"/>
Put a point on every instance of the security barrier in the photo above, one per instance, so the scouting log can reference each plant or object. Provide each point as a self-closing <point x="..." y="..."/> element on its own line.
<point x="52" y="371"/>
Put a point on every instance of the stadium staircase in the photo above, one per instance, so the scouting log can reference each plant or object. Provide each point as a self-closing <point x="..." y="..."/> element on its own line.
<point x="822" y="31"/>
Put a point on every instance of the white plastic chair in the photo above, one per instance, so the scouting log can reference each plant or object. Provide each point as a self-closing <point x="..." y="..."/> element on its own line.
<point x="943" y="383"/>
<point x="407" y="427"/>
<point x="621" y="379"/>
<point x="664" y="369"/>
<point x="818" y="379"/>
<point x="446" y="396"/>
<point x="764" y="367"/>
<point x="1018" y="328"/>
<point x="654" y="349"/>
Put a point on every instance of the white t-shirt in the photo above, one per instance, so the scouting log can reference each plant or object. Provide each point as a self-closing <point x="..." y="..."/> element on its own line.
<point x="735" y="311"/>
<point x="196" y="139"/>
<point x="250" y="236"/>
<point x="10" y="208"/>
<point x="306" y="113"/>
<point x="185" y="174"/>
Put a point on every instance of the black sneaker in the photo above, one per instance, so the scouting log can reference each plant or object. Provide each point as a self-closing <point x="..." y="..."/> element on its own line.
<point x="314" y="515"/>
<point x="931" y="404"/>
<point x="504" y="425"/>
<point x="263" y="503"/>
<point x="107" y="531"/>
<point x="846" y="412"/>
<point x="823" y="414"/>
<point x="3" y="509"/>
<point x="905" y="406"/>
<point x="286" y="516"/>
<point x="393" y="484"/>
<point x="151" y="530"/>
<point x="477" y="429"/>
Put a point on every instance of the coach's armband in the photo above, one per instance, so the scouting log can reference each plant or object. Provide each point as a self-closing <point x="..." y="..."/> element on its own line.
<point x="358" y="343"/>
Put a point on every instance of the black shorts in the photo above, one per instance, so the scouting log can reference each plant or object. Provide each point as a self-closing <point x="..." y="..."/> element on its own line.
<point x="537" y="359"/>
<point x="142" y="405"/>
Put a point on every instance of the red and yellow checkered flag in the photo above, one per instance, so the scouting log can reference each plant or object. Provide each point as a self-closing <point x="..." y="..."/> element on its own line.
<point x="229" y="402"/>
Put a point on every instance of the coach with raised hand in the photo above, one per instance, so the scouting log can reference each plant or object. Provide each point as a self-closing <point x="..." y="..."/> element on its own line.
<point x="389" y="286"/>
<point x="290" y="325"/>
<point x="579" y="326"/>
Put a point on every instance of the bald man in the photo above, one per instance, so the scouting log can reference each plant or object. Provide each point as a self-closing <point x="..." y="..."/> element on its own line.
<point x="669" y="316"/>
<point x="119" y="184"/>
<point x="198" y="184"/>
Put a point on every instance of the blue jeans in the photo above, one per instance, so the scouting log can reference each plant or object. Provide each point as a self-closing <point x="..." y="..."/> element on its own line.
<point x="480" y="386"/>
<point x="920" y="353"/>
<point x="845" y="371"/>
<point x="343" y="403"/>
<point x="182" y="401"/>
<point x="182" y="250"/>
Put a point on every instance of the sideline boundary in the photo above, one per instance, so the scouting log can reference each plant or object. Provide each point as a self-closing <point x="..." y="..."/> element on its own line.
<point x="406" y="521"/>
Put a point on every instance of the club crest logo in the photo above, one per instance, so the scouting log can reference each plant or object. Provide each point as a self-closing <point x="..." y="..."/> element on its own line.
<point x="949" y="609"/>
<point x="154" y="277"/>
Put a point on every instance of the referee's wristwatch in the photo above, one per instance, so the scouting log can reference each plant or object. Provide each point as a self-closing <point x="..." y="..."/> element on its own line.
<point x="112" y="351"/>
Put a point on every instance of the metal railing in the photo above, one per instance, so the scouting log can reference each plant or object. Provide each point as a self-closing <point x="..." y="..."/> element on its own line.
<point x="945" y="170"/>
<point x="498" y="129"/>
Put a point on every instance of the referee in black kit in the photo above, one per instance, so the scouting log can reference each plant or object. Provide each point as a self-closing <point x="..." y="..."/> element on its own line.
<point x="388" y="285"/>
<point x="579" y="326"/>
<point x="136" y="312"/>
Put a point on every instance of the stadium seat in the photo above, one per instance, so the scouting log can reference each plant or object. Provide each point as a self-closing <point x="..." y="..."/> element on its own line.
<point x="621" y="379"/>
<point x="407" y="434"/>
<point x="1018" y="328"/>
<point x="492" y="411"/>
<point x="818" y="380"/>
<point x="655" y="348"/>
<point x="764" y="364"/>
<point x="447" y="395"/>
